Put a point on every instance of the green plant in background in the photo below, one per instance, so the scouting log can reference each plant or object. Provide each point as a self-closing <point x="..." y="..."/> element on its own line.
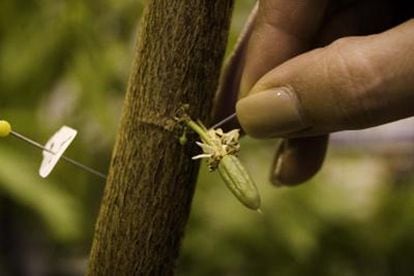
<point x="61" y="62"/>
<point x="66" y="62"/>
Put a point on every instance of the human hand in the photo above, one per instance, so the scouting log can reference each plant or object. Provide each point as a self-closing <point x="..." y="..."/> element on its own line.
<point x="300" y="75"/>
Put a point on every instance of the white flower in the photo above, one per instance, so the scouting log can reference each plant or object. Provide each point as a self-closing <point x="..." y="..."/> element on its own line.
<point x="219" y="145"/>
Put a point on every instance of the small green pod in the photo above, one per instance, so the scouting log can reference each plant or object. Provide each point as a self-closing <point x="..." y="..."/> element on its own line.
<point x="239" y="181"/>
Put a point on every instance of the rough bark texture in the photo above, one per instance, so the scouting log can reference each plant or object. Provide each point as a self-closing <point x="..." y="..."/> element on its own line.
<point x="151" y="181"/>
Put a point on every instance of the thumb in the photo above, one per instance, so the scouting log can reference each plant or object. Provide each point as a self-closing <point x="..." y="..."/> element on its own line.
<point x="354" y="83"/>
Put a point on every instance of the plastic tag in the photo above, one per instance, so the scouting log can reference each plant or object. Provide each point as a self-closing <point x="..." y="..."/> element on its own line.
<point x="56" y="146"/>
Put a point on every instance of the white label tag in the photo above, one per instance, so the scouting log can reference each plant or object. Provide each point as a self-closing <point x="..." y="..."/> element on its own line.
<point x="57" y="145"/>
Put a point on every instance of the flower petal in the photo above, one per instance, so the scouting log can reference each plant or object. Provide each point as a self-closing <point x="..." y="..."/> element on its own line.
<point x="200" y="156"/>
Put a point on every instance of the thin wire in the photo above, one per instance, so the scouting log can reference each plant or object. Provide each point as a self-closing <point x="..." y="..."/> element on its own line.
<point x="84" y="167"/>
<point x="225" y="120"/>
<point x="67" y="159"/>
<point x="30" y="141"/>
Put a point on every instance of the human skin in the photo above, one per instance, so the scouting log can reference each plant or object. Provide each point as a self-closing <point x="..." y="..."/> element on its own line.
<point x="306" y="68"/>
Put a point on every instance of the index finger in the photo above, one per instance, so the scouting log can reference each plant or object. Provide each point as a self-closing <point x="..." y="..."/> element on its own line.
<point x="276" y="31"/>
<point x="282" y="30"/>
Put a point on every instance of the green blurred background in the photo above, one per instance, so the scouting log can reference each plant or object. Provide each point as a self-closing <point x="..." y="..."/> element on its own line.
<point x="67" y="62"/>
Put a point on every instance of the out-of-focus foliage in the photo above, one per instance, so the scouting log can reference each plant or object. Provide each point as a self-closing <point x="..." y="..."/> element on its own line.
<point x="355" y="218"/>
<point x="60" y="211"/>
<point x="67" y="62"/>
<point x="61" y="62"/>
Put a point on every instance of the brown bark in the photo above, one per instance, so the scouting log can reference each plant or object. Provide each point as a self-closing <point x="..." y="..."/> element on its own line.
<point x="151" y="180"/>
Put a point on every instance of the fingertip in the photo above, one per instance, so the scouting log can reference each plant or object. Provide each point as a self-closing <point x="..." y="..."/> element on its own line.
<point x="298" y="160"/>
<point x="271" y="113"/>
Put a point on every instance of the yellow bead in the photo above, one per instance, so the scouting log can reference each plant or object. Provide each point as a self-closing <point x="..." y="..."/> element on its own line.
<point x="5" y="128"/>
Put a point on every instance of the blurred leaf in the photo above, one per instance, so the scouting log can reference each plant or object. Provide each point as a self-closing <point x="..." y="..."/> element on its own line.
<point x="59" y="210"/>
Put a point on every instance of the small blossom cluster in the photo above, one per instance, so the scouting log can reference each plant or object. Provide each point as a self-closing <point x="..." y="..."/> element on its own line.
<point x="219" y="144"/>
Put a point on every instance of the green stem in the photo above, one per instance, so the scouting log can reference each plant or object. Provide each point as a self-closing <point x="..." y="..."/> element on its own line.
<point x="200" y="131"/>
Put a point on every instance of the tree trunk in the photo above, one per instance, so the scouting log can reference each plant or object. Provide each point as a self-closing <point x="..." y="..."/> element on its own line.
<point x="151" y="180"/>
